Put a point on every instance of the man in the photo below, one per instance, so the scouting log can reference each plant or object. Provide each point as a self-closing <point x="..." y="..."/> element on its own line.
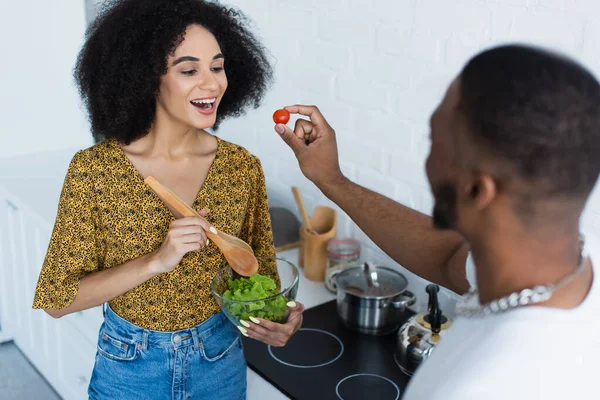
<point x="515" y="154"/>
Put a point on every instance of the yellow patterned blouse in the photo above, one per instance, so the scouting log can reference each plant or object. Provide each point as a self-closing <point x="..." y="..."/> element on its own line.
<point x="107" y="215"/>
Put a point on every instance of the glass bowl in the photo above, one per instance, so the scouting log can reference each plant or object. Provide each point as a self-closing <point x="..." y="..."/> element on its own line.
<point x="273" y="307"/>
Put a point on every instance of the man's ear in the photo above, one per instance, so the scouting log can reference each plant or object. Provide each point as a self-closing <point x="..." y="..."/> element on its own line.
<point x="481" y="190"/>
<point x="485" y="191"/>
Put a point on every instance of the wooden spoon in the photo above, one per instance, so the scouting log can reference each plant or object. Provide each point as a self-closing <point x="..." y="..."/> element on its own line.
<point x="238" y="253"/>
<point x="302" y="209"/>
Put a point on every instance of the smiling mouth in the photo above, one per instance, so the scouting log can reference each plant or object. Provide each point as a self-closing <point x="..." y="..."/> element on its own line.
<point x="204" y="104"/>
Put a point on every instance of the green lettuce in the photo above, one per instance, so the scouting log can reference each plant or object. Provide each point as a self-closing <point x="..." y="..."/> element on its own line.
<point x="254" y="290"/>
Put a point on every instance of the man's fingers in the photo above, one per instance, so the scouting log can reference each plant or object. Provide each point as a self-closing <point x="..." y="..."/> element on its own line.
<point x="311" y="112"/>
<point x="304" y="130"/>
<point x="290" y="137"/>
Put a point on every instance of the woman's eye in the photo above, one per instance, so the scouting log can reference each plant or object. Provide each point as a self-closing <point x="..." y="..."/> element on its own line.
<point x="217" y="69"/>
<point x="189" y="72"/>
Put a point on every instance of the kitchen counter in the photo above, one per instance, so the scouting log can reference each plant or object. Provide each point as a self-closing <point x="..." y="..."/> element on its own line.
<point x="310" y="294"/>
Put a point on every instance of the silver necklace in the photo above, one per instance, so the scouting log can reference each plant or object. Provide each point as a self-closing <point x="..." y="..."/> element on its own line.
<point x="470" y="305"/>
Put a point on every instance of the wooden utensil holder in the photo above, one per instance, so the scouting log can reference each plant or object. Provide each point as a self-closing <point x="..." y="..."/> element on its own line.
<point x="312" y="256"/>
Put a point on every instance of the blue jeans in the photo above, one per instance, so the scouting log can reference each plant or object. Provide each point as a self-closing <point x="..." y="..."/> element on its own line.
<point x="203" y="362"/>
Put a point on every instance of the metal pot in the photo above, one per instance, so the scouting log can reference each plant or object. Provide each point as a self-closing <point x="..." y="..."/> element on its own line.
<point x="372" y="299"/>
<point x="418" y="337"/>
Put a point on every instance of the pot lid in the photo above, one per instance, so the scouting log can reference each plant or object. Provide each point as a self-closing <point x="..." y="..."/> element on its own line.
<point x="371" y="281"/>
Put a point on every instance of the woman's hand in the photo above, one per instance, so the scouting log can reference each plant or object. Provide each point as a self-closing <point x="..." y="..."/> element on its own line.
<point x="185" y="235"/>
<point x="271" y="333"/>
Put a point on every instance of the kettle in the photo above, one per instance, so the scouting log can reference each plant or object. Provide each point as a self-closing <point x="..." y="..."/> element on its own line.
<point x="418" y="337"/>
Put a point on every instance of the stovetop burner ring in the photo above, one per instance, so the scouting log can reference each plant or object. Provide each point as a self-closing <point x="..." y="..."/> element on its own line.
<point x="337" y="387"/>
<point x="311" y="366"/>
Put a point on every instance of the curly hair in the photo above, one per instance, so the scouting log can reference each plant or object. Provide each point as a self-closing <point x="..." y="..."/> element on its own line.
<point x="119" y="68"/>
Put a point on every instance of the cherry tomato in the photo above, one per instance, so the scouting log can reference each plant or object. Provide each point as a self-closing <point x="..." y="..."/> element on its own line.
<point x="281" y="116"/>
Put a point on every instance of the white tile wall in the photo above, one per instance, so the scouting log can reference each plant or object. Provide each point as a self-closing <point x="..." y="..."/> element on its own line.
<point x="377" y="69"/>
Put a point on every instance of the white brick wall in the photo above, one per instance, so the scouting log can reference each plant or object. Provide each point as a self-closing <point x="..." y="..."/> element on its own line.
<point x="377" y="69"/>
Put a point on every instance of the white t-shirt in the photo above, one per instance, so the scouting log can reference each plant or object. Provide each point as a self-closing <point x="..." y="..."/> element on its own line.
<point x="528" y="353"/>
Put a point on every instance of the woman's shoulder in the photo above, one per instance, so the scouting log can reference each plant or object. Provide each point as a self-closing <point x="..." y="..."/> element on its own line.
<point x="95" y="155"/>
<point x="233" y="151"/>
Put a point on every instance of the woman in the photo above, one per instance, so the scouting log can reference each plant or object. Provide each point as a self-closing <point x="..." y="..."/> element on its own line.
<point x="155" y="74"/>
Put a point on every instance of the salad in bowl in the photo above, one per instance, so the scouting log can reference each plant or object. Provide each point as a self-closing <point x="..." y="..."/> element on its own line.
<point x="257" y="296"/>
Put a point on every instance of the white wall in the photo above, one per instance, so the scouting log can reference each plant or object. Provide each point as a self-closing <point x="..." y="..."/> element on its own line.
<point x="378" y="68"/>
<point x="39" y="107"/>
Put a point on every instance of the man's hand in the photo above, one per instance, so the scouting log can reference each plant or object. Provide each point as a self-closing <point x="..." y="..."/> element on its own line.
<point x="313" y="142"/>
<point x="404" y="234"/>
<point x="271" y="333"/>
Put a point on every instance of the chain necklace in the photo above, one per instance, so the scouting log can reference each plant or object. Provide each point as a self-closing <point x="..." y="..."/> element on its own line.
<point x="470" y="305"/>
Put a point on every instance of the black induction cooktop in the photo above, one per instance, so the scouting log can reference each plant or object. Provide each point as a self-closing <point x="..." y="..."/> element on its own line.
<point x="325" y="360"/>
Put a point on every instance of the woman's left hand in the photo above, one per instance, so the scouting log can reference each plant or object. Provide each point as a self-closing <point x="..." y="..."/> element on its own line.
<point x="271" y="333"/>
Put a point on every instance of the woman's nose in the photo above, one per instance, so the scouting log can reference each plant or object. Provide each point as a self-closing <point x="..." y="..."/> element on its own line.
<point x="207" y="81"/>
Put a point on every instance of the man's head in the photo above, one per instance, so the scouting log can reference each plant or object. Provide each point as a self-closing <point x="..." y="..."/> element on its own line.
<point x="516" y="138"/>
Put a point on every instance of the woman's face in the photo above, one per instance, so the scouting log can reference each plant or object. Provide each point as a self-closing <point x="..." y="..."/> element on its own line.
<point x="192" y="88"/>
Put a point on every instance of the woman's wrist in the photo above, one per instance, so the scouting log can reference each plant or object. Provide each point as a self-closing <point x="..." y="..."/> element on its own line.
<point x="151" y="265"/>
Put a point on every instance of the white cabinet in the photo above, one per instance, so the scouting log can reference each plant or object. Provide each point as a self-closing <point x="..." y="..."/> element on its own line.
<point x="5" y="273"/>
<point x="75" y="363"/>
<point x="62" y="350"/>
<point x="11" y="320"/>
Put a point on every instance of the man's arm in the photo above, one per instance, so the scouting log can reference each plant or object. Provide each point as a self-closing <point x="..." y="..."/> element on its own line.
<point x="406" y="235"/>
